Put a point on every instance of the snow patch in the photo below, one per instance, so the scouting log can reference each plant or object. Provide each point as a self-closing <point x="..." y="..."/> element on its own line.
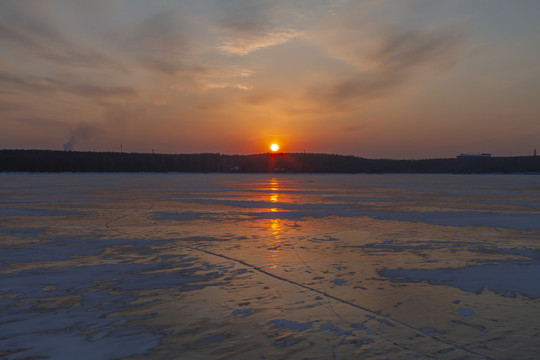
<point x="508" y="279"/>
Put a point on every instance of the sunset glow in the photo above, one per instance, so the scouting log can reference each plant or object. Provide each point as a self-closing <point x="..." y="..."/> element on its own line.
<point x="274" y="147"/>
<point x="377" y="79"/>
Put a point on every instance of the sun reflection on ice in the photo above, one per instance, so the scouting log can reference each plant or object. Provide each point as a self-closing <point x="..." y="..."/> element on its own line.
<point x="274" y="184"/>
<point x="273" y="196"/>
<point x="276" y="227"/>
<point x="274" y="244"/>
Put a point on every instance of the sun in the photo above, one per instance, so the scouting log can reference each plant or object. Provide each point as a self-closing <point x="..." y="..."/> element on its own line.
<point x="274" y="147"/>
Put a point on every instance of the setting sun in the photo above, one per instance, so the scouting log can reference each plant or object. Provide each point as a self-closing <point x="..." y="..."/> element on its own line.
<point x="274" y="147"/>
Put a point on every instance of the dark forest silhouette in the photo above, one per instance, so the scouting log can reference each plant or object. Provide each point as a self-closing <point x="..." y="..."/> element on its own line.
<point x="77" y="161"/>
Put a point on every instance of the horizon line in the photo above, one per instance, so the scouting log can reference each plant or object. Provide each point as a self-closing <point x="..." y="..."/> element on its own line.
<point x="470" y="156"/>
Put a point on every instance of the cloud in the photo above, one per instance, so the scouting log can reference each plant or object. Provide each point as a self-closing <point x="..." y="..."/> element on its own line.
<point x="44" y="42"/>
<point x="253" y="25"/>
<point x="20" y="83"/>
<point x="159" y="44"/>
<point x="263" y="97"/>
<point x="31" y="84"/>
<point x="401" y="50"/>
<point x="241" y="16"/>
<point x="225" y="85"/>
<point x="93" y="90"/>
<point x="250" y="43"/>
<point x="231" y="77"/>
<point x="7" y="33"/>
<point x="7" y="106"/>
<point x="393" y="59"/>
<point x="38" y="121"/>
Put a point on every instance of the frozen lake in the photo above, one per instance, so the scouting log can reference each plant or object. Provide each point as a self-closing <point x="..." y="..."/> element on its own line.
<point x="234" y="266"/>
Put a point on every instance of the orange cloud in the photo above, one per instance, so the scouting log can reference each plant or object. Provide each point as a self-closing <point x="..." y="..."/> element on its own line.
<point x="244" y="45"/>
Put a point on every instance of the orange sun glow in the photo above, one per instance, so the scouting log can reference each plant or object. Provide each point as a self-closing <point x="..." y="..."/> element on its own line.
<point x="274" y="147"/>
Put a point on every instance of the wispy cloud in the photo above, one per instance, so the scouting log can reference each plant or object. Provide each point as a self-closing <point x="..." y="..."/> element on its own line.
<point x="33" y="84"/>
<point x="225" y="85"/>
<point x="260" y="98"/>
<point x="159" y="44"/>
<point x="8" y="106"/>
<point x="247" y="16"/>
<point x="412" y="48"/>
<point x="46" y="43"/>
<point x="244" y="45"/>
<point x="393" y="59"/>
<point x="253" y="25"/>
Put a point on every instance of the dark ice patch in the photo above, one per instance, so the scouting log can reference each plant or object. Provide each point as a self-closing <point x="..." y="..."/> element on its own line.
<point x="331" y="327"/>
<point x="242" y="312"/>
<point x="215" y="338"/>
<point x="287" y="342"/>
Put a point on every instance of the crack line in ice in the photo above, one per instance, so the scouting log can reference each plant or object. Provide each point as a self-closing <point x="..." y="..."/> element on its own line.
<point x="337" y="346"/>
<point x="376" y="313"/>
<point x="292" y="282"/>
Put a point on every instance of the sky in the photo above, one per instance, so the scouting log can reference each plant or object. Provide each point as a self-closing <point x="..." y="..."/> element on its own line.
<point x="402" y="79"/>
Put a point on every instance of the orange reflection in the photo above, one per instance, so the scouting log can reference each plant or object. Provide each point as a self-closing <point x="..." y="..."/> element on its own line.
<point x="274" y="245"/>
<point x="273" y="197"/>
<point x="274" y="184"/>
<point x="276" y="227"/>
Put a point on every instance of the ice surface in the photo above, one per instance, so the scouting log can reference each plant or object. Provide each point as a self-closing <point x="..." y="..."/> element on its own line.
<point x="242" y="312"/>
<point x="465" y="311"/>
<point x="506" y="279"/>
<point x="288" y="324"/>
<point x="331" y="327"/>
<point x="112" y="266"/>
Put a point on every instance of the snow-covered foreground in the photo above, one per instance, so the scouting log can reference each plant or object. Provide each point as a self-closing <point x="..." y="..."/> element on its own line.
<point x="183" y="266"/>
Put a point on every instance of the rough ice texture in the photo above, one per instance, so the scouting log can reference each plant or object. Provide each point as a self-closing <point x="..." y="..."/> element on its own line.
<point x="465" y="311"/>
<point x="107" y="266"/>
<point x="522" y="221"/>
<point x="242" y="312"/>
<point x="288" y="324"/>
<point x="331" y="327"/>
<point x="506" y="279"/>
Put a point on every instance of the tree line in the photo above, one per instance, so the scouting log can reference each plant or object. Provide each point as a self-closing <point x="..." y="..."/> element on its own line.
<point x="78" y="161"/>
